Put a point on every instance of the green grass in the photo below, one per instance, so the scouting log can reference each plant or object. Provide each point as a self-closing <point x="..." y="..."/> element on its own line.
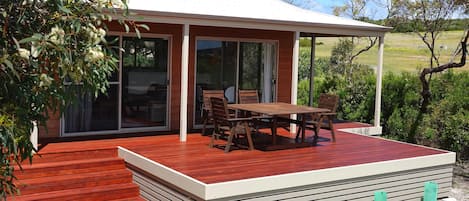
<point x="402" y="51"/>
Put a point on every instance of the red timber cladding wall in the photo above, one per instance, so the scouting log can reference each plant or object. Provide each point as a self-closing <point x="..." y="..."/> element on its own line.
<point x="285" y="45"/>
<point x="285" y="42"/>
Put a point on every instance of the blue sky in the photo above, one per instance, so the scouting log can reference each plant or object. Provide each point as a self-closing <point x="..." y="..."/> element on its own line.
<point x="326" y="6"/>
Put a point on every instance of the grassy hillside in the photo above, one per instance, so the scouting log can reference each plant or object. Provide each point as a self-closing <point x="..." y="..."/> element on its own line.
<point x="402" y="51"/>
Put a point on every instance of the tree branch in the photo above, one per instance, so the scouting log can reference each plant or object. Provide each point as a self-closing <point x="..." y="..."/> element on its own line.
<point x="370" y="45"/>
<point x="426" y="93"/>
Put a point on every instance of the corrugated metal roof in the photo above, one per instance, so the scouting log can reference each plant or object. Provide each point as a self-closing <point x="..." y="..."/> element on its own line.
<point x="260" y="11"/>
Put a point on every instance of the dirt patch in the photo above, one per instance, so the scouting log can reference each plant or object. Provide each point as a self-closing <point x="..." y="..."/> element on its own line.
<point x="460" y="189"/>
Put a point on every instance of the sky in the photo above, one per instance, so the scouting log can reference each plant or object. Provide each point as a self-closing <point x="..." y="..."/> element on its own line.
<point x="326" y="6"/>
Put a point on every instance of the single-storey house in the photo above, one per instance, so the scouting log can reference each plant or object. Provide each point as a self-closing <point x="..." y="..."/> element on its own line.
<point x="196" y="45"/>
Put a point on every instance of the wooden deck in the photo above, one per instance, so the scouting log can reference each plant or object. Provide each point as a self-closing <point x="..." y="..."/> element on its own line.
<point x="211" y="165"/>
<point x="208" y="167"/>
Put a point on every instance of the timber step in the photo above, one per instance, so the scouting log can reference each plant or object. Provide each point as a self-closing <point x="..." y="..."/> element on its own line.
<point x="80" y="175"/>
<point x="69" y="167"/>
<point x="72" y="155"/>
<point x="108" y="192"/>
<point x="63" y="182"/>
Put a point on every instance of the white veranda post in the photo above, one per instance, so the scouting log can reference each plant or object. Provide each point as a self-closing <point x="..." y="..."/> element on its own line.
<point x="379" y="76"/>
<point x="184" y="84"/>
<point x="294" y="80"/>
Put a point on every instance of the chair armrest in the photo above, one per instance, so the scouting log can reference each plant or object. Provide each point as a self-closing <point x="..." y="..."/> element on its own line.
<point x="328" y="114"/>
<point x="240" y="119"/>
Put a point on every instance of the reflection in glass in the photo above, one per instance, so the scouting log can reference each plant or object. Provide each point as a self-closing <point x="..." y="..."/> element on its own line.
<point x="144" y="82"/>
<point x="216" y="70"/>
<point x="89" y="114"/>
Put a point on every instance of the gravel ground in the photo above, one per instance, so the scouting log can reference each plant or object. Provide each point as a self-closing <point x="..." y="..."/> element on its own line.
<point x="460" y="189"/>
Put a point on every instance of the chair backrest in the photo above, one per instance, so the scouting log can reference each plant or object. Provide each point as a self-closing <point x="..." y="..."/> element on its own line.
<point x="207" y="94"/>
<point x="220" y="113"/>
<point x="328" y="101"/>
<point x="248" y="96"/>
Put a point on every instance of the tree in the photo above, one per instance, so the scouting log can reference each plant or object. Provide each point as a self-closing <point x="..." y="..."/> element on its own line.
<point x="433" y="17"/>
<point x="44" y="44"/>
<point x="355" y="9"/>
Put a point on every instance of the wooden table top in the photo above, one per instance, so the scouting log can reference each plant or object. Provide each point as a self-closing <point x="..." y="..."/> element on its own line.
<point x="274" y="109"/>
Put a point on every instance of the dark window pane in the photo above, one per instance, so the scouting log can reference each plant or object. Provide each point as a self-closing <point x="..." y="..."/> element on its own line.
<point x="216" y="70"/>
<point x="144" y="82"/>
<point x="89" y="114"/>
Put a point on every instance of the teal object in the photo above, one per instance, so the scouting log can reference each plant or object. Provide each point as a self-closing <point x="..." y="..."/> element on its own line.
<point x="431" y="191"/>
<point x="380" y="196"/>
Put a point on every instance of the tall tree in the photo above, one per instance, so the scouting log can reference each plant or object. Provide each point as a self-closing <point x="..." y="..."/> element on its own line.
<point x="43" y="44"/>
<point x="433" y="17"/>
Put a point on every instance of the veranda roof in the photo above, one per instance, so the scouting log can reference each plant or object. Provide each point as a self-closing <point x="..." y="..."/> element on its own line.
<point x="254" y="14"/>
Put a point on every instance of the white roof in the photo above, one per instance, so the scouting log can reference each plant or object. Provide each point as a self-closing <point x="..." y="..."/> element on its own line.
<point x="263" y="14"/>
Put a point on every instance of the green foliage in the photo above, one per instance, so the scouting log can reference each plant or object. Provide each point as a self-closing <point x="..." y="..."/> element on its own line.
<point x="445" y="126"/>
<point x="44" y="44"/>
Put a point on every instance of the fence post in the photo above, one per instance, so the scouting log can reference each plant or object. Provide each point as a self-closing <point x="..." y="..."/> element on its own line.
<point x="380" y="196"/>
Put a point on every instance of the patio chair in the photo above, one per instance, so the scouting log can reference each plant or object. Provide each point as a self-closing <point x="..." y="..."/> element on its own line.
<point x="248" y="96"/>
<point x="259" y="120"/>
<point x="224" y="125"/>
<point x="207" y="108"/>
<point x="323" y="120"/>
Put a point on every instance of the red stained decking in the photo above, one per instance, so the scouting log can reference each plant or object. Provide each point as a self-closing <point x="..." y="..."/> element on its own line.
<point x="210" y="165"/>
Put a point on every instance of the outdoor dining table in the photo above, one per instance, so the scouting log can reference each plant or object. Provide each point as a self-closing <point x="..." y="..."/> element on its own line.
<point x="277" y="111"/>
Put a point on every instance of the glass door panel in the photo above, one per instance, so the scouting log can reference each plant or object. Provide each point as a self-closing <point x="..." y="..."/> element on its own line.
<point x="251" y="66"/>
<point x="89" y="114"/>
<point x="144" y="82"/>
<point x="216" y="70"/>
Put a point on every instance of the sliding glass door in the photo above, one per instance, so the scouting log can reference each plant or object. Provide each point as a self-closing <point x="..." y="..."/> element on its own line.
<point x="233" y="65"/>
<point x="144" y="82"/>
<point x="137" y="99"/>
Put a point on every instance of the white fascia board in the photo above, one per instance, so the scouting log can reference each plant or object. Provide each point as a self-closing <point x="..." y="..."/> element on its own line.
<point x="277" y="182"/>
<point x="256" y="185"/>
<point x="221" y="21"/>
<point x="163" y="172"/>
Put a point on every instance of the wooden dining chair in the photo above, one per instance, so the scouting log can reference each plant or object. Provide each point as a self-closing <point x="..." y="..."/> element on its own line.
<point x="259" y="120"/>
<point x="227" y="126"/>
<point x="324" y="119"/>
<point x="207" y="108"/>
<point x="248" y="96"/>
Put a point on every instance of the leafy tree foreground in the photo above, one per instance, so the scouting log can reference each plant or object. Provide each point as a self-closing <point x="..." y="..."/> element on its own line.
<point x="45" y="44"/>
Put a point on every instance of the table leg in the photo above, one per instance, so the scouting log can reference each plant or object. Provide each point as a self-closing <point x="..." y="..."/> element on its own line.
<point x="274" y="131"/>
<point x="303" y="128"/>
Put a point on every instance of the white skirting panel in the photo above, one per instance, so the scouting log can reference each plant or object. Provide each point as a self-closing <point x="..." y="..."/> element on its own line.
<point x="402" y="179"/>
<point x="406" y="185"/>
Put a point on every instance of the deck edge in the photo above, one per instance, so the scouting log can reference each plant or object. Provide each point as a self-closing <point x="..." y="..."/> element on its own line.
<point x="261" y="184"/>
<point x="163" y="172"/>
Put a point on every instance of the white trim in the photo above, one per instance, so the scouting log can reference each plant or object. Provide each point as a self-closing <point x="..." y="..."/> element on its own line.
<point x="163" y="172"/>
<point x="277" y="182"/>
<point x="34" y="135"/>
<point x="256" y="185"/>
<point x="119" y="94"/>
<point x="236" y="39"/>
<point x="364" y="130"/>
<point x="294" y="76"/>
<point x="184" y="83"/>
<point x="379" y="78"/>
<point x="312" y="70"/>
<point x="221" y="21"/>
